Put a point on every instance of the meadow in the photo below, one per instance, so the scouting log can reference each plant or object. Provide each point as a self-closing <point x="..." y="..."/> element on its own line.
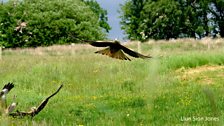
<point x="182" y="85"/>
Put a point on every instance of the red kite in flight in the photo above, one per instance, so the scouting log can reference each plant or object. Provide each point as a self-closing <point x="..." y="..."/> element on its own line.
<point x="115" y="50"/>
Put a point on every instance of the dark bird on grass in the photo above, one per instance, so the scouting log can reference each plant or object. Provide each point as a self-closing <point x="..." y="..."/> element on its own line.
<point x="115" y="50"/>
<point x="35" y="110"/>
<point x="5" y="90"/>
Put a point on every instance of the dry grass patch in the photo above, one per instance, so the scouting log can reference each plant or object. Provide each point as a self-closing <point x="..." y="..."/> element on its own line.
<point x="203" y="75"/>
<point x="202" y="69"/>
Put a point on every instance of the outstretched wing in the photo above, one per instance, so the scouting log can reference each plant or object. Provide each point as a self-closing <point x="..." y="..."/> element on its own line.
<point x="39" y="108"/>
<point x="19" y="114"/>
<point x="133" y="53"/>
<point x="6" y="88"/>
<point x="115" y="54"/>
<point x="115" y="50"/>
<point x="99" y="44"/>
<point x="44" y="103"/>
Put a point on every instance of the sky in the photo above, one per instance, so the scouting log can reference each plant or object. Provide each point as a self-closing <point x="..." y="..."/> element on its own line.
<point x="112" y="7"/>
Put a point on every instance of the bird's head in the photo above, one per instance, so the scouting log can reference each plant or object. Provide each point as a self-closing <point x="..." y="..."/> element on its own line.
<point x="33" y="109"/>
<point x="5" y="91"/>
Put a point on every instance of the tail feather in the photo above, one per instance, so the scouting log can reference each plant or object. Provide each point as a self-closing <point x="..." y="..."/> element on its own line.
<point x="118" y="54"/>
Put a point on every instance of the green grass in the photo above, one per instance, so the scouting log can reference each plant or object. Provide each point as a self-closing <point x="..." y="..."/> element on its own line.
<point x="103" y="91"/>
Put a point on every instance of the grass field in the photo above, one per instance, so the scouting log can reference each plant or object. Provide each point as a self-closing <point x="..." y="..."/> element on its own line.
<point x="182" y="85"/>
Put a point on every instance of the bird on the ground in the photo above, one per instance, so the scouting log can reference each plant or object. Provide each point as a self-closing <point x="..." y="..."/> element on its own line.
<point x="11" y="107"/>
<point x="115" y="50"/>
<point x="35" y="110"/>
<point x="5" y="90"/>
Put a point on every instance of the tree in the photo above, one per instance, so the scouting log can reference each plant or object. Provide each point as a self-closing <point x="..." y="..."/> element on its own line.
<point x="100" y="12"/>
<point x="161" y="19"/>
<point x="166" y="19"/>
<point x="145" y="19"/>
<point x="31" y="23"/>
<point x="216" y="8"/>
<point x="131" y="18"/>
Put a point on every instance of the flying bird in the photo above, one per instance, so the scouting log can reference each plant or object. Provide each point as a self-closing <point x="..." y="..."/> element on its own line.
<point x="115" y="50"/>
<point x="35" y="110"/>
<point x="5" y="90"/>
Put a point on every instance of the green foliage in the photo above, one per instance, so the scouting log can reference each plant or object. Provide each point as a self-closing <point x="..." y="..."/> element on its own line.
<point x="130" y="18"/>
<point x="47" y="22"/>
<point x="101" y="13"/>
<point x="217" y="10"/>
<point x="166" y="19"/>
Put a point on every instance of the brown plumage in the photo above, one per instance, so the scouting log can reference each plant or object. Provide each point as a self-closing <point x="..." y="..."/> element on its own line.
<point x="116" y="50"/>
<point x="34" y="111"/>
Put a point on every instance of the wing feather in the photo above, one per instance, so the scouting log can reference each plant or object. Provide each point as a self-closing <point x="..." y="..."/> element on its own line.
<point x="105" y="52"/>
<point x="32" y="113"/>
<point x="117" y="54"/>
<point x="116" y="50"/>
<point x="44" y="103"/>
<point x="99" y="44"/>
<point x="133" y="53"/>
<point x="120" y="55"/>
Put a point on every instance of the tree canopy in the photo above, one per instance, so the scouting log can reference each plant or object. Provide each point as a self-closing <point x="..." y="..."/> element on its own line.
<point x="101" y="13"/>
<point x="31" y="23"/>
<point x="166" y="19"/>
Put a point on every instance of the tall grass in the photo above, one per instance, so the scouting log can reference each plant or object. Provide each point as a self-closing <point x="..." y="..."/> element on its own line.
<point x="99" y="90"/>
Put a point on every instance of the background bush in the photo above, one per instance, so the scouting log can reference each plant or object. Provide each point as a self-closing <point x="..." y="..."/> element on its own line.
<point x="48" y="22"/>
<point x="171" y="19"/>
